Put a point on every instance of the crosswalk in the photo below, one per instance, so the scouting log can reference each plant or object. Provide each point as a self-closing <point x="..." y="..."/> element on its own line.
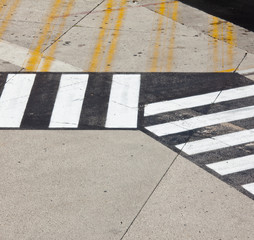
<point x="56" y="101"/>
<point x="212" y="130"/>
<point x="208" y="118"/>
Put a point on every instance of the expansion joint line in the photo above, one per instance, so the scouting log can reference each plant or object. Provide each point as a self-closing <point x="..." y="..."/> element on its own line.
<point x="168" y="169"/>
<point x="64" y="33"/>
<point x="157" y="185"/>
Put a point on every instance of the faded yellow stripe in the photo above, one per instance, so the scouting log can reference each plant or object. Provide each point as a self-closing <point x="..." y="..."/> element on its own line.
<point x="100" y="40"/>
<point x="8" y="17"/>
<point x="36" y="55"/>
<point x="172" y="38"/>
<point x="113" y="45"/>
<point x="2" y="3"/>
<point x="156" y="51"/>
<point x="215" y="35"/>
<point x="50" y="57"/>
<point x="231" y="40"/>
<point x="164" y="54"/>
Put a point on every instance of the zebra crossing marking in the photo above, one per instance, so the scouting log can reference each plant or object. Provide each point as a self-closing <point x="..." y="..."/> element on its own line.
<point x="233" y="165"/>
<point x="209" y="122"/>
<point x="249" y="187"/>
<point x="14" y="99"/>
<point x="201" y="121"/>
<point x="69" y="100"/>
<point x="199" y="100"/>
<point x="218" y="142"/>
<point x="123" y="102"/>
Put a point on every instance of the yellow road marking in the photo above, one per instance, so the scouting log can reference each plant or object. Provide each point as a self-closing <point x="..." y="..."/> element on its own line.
<point x="50" y="57"/>
<point x="100" y="41"/>
<point x="231" y="43"/>
<point x="215" y="35"/>
<point x="156" y="51"/>
<point x="113" y="45"/>
<point x="2" y="6"/>
<point x="8" y="17"/>
<point x="172" y="38"/>
<point x="36" y="55"/>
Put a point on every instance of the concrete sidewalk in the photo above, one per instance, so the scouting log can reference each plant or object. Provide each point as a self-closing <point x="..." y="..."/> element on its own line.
<point x="100" y="184"/>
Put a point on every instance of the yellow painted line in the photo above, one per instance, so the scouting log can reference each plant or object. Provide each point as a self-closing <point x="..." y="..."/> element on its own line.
<point x="100" y="40"/>
<point x="50" y="57"/>
<point x="8" y="17"/>
<point x="116" y="33"/>
<point x="2" y="6"/>
<point x="172" y="38"/>
<point x="231" y="40"/>
<point x="227" y="70"/>
<point x="222" y="44"/>
<point x="36" y="55"/>
<point x="164" y="54"/>
<point x="215" y="35"/>
<point x="156" y="51"/>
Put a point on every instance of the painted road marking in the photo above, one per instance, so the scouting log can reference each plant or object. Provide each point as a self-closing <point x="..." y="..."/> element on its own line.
<point x="14" y="99"/>
<point x="198" y="100"/>
<point x="123" y="102"/>
<point x="114" y="100"/>
<point x="233" y="165"/>
<point x="201" y="121"/>
<point x="217" y="142"/>
<point x="69" y="100"/>
<point x="249" y="187"/>
<point x="17" y="55"/>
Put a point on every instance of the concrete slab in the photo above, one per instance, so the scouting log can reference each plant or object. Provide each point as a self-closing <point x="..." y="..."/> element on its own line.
<point x="66" y="185"/>
<point x="190" y="204"/>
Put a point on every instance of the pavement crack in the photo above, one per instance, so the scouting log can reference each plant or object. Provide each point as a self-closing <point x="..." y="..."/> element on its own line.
<point x="87" y="14"/>
<point x="153" y="191"/>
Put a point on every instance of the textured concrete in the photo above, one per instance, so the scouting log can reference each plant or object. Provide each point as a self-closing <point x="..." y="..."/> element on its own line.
<point x="76" y="185"/>
<point x="191" y="204"/>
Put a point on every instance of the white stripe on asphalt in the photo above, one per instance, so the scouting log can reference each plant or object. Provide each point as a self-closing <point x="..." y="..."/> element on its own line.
<point x="218" y="142"/>
<point x="14" y="99"/>
<point x="123" y="102"/>
<point x="69" y="101"/>
<point x="246" y="72"/>
<point x="198" y="100"/>
<point x="18" y="56"/>
<point x="201" y="121"/>
<point x="233" y="165"/>
<point x="249" y="187"/>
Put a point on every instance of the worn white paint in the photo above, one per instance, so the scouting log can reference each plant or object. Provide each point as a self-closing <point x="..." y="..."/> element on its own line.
<point x="14" y="99"/>
<point x="123" y="102"/>
<point x="69" y="101"/>
<point x="218" y="142"/>
<point x="233" y="165"/>
<point x="249" y="187"/>
<point x="201" y="121"/>
<point x="198" y="100"/>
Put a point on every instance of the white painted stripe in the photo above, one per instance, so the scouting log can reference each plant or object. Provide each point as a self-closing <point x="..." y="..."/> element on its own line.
<point x="218" y="142"/>
<point x="246" y="72"/>
<point x="198" y="100"/>
<point x="249" y="187"/>
<point x="14" y="99"/>
<point x="201" y="121"/>
<point x="233" y="165"/>
<point x="18" y="56"/>
<point x="69" y="101"/>
<point x="123" y="102"/>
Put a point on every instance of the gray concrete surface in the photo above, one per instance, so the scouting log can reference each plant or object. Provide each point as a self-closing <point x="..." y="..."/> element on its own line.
<point x="92" y="185"/>
<point x="76" y="185"/>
